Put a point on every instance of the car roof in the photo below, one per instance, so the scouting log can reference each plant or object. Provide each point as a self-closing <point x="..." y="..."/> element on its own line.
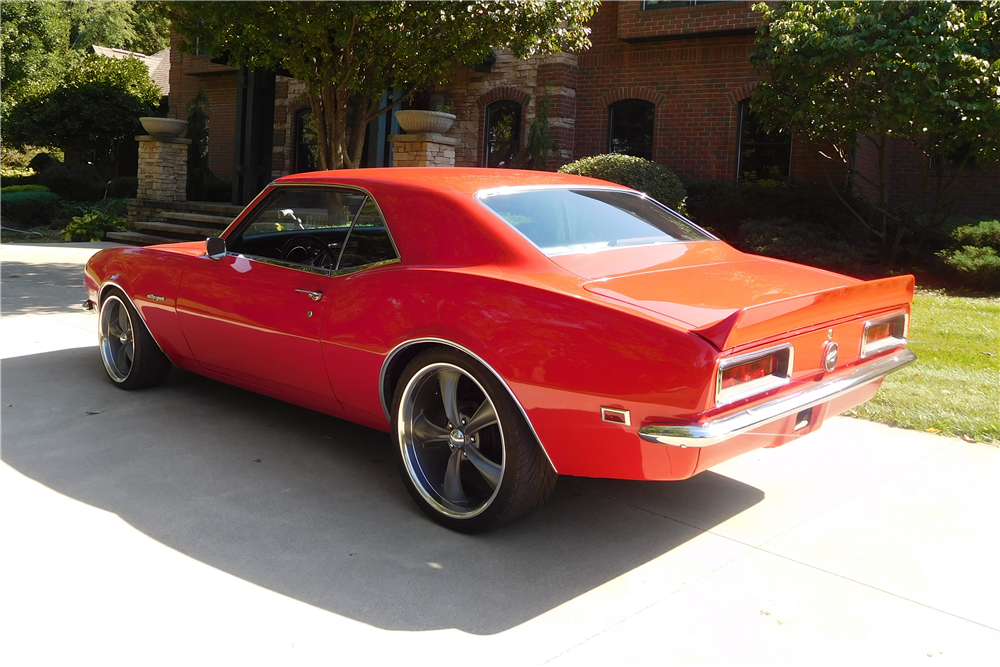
<point x="466" y="181"/>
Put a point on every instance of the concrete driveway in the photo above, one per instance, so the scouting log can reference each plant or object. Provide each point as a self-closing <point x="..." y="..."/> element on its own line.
<point x="199" y="524"/>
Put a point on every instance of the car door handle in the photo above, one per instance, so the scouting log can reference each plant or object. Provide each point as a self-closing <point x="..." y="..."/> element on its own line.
<point x="315" y="296"/>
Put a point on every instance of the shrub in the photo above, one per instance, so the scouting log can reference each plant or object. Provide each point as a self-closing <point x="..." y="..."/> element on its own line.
<point x="93" y="226"/>
<point x="975" y="262"/>
<point x="803" y="242"/>
<point x="24" y="210"/>
<point x="23" y="188"/>
<point x="79" y="182"/>
<point x="985" y="234"/>
<point x="635" y="172"/>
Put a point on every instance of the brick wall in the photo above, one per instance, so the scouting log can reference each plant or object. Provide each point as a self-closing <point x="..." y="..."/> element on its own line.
<point x="188" y="74"/>
<point x="635" y="24"/>
<point x="525" y="82"/>
<point x="696" y="84"/>
<point x="981" y="192"/>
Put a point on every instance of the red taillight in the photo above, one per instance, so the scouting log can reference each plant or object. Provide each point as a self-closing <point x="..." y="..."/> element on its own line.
<point x="880" y="331"/>
<point x="752" y="370"/>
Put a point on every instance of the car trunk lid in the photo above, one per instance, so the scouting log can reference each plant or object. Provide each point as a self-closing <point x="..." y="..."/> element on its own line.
<point x="753" y="298"/>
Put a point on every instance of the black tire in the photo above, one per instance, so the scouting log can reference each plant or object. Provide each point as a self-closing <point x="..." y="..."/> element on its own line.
<point x="131" y="357"/>
<point x="448" y="471"/>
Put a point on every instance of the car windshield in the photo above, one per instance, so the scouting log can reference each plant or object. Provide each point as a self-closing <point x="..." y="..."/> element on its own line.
<point x="564" y="221"/>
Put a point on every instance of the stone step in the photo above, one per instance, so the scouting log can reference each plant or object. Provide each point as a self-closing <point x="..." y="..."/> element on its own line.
<point x="136" y="238"/>
<point x="220" y="221"/>
<point x="187" y="232"/>
<point x="213" y="208"/>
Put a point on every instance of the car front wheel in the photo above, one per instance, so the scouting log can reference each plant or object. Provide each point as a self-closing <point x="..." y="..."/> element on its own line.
<point x="131" y="356"/>
<point x="467" y="455"/>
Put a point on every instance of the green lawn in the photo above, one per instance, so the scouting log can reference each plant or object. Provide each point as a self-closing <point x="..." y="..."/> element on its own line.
<point x="954" y="386"/>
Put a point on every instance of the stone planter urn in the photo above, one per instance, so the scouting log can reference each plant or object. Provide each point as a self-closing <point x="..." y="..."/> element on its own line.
<point x="414" y="121"/>
<point x="163" y="127"/>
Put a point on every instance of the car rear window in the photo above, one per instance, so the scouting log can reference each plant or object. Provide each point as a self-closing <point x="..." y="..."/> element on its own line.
<point x="563" y="221"/>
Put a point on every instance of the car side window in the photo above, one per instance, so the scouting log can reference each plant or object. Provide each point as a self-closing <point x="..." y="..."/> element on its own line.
<point x="369" y="241"/>
<point x="305" y="227"/>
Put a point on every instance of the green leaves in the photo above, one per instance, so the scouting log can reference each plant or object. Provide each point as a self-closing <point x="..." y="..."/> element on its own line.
<point x="95" y="103"/>
<point x="349" y="53"/>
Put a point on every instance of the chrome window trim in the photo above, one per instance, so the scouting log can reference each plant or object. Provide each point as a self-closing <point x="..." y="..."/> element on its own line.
<point x="504" y="190"/>
<point x="100" y="302"/>
<point x="276" y="187"/>
<point x="281" y="263"/>
<point x="885" y="343"/>
<point x="442" y="341"/>
<point x="753" y="387"/>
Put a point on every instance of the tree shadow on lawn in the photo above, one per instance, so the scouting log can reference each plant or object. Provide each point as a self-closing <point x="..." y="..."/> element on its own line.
<point x="312" y="507"/>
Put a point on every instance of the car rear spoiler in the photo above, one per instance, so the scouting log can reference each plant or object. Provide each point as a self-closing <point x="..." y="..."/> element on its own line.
<point x="806" y="310"/>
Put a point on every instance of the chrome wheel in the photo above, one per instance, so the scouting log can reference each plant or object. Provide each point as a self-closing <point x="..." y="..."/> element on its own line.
<point x="117" y="339"/>
<point x="451" y="440"/>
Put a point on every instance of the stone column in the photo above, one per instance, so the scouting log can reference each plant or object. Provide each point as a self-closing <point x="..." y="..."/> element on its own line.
<point x="162" y="167"/>
<point x="423" y="150"/>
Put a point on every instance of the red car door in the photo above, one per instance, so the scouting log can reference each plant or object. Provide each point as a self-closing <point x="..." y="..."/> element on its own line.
<point x="255" y="314"/>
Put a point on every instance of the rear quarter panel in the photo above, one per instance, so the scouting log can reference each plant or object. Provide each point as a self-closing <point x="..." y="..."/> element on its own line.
<point x="563" y="355"/>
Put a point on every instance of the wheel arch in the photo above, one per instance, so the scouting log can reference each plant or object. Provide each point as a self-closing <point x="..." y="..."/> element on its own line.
<point x="401" y="355"/>
<point x="102" y="293"/>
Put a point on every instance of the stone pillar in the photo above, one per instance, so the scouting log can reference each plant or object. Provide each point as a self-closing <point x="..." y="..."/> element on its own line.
<point x="423" y="150"/>
<point x="162" y="167"/>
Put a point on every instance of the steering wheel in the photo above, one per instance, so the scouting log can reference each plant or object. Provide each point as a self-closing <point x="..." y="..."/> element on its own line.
<point x="308" y="250"/>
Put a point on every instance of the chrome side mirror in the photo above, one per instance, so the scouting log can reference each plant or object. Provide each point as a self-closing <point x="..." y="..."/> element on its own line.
<point x="215" y="247"/>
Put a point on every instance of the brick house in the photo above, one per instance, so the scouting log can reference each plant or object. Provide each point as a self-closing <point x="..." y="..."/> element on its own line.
<point x="669" y="81"/>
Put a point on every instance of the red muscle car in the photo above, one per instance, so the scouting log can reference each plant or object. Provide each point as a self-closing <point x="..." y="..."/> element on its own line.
<point x="504" y="327"/>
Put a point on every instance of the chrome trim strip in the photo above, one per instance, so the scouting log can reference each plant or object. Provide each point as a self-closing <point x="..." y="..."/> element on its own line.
<point x="278" y="262"/>
<point x="761" y="386"/>
<point x="441" y="341"/>
<point x="100" y="300"/>
<point x="713" y="432"/>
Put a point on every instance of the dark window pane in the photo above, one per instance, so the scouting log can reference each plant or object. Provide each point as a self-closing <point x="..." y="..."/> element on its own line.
<point x="503" y="133"/>
<point x="762" y="155"/>
<point x="368" y="241"/>
<point x="306" y="142"/>
<point x="630" y="128"/>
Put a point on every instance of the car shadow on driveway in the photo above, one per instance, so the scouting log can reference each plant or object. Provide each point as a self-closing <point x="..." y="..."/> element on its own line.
<point x="312" y="507"/>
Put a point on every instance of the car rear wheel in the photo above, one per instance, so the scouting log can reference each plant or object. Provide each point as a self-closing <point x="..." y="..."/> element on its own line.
<point x="131" y="357"/>
<point x="467" y="455"/>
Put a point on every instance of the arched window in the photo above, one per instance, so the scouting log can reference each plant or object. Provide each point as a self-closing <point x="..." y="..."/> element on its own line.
<point x="630" y="128"/>
<point x="502" y="133"/>
<point x="761" y="155"/>
<point x="306" y="141"/>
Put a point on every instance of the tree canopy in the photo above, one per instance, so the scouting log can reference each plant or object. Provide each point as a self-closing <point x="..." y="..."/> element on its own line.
<point x="39" y="40"/>
<point x="349" y="53"/>
<point x="924" y="73"/>
<point x="94" y="106"/>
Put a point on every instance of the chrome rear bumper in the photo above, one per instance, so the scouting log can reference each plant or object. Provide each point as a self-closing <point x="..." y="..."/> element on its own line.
<point x="713" y="432"/>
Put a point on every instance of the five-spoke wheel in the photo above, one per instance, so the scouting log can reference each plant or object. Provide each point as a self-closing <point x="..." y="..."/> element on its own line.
<point x="131" y="356"/>
<point x="468" y="457"/>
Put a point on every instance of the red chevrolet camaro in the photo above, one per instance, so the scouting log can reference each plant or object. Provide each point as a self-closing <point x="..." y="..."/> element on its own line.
<point x="504" y="327"/>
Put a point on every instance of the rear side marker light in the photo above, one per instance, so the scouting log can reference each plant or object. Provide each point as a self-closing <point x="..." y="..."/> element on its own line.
<point x="884" y="334"/>
<point x="754" y="373"/>
<point x="615" y="416"/>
